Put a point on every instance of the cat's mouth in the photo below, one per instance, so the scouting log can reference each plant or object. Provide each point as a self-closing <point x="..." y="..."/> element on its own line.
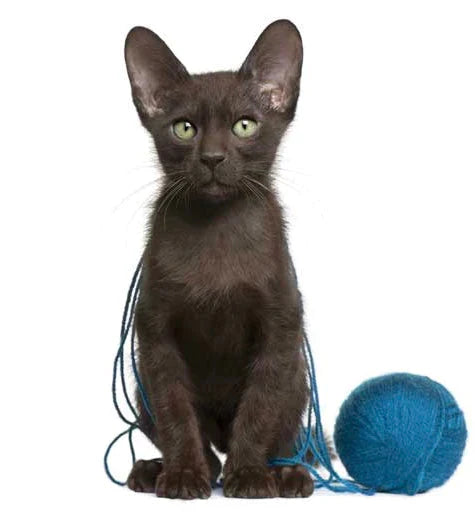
<point x="216" y="191"/>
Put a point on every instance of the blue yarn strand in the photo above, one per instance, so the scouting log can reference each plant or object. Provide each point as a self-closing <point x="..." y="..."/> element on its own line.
<point x="128" y="432"/>
<point x="119" y="372"/>
<point x="310" y="442"/>
<point x="127" y="319"/>
<point x="140" y="386"/>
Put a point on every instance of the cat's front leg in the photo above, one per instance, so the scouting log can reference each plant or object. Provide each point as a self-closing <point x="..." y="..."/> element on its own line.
<point x="185" y="472"/>
<point x="270" y="405"/>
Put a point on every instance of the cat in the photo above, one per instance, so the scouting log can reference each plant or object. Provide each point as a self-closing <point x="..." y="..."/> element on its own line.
<point x="219" y="320"/>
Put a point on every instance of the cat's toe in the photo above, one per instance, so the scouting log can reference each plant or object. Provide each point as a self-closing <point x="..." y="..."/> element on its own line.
<point x="294" y="481"/>
<point x="250" y="482"/>
<point x="185" y="483"/>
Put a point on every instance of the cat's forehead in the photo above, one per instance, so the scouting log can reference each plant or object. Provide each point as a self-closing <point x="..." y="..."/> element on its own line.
<point x="220" y="94"/>
<point x="216" y="83"/>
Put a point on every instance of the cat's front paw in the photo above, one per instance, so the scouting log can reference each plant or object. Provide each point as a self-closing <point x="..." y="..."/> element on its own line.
<point x="250" y="482"/>
<point x="183" y="483"/>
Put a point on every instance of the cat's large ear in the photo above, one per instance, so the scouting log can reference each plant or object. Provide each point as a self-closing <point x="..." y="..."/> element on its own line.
<point x="275" y="63"/>
<point x="153" y="70"/>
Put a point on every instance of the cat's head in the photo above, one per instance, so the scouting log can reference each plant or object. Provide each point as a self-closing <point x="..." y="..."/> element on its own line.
<point x="218" y="132"/>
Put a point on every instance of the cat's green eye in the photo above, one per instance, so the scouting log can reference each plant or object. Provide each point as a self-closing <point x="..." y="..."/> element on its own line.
<point x="245" y="127"/>
<point x="184" y="130"/>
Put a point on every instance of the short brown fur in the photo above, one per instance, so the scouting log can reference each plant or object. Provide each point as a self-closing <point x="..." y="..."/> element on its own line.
<point x="219" y="318"/>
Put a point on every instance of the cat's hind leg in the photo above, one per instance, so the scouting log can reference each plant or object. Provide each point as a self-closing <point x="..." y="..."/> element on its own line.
<point x="144" y="474"/>
<point x="293" y="481"/>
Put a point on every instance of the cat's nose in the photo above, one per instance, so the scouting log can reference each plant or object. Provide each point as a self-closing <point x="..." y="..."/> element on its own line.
<point x="212" y="159"/>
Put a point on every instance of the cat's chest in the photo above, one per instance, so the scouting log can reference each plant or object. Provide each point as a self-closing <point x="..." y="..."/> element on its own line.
<point x="218" y="260"/>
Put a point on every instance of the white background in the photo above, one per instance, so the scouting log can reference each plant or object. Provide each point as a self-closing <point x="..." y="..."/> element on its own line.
<point x="377" y="175"/>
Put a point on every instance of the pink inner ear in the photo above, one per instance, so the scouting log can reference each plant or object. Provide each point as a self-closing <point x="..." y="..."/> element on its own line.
<point x="274" y="96"/>
<point x="146" y="101"/>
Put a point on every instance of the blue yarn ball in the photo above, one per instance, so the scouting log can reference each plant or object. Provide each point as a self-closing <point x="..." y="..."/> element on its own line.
<point x="400" y="433"/>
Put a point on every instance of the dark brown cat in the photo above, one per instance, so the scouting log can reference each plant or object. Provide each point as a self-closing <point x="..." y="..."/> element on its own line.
<point x="219" y="319"/>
